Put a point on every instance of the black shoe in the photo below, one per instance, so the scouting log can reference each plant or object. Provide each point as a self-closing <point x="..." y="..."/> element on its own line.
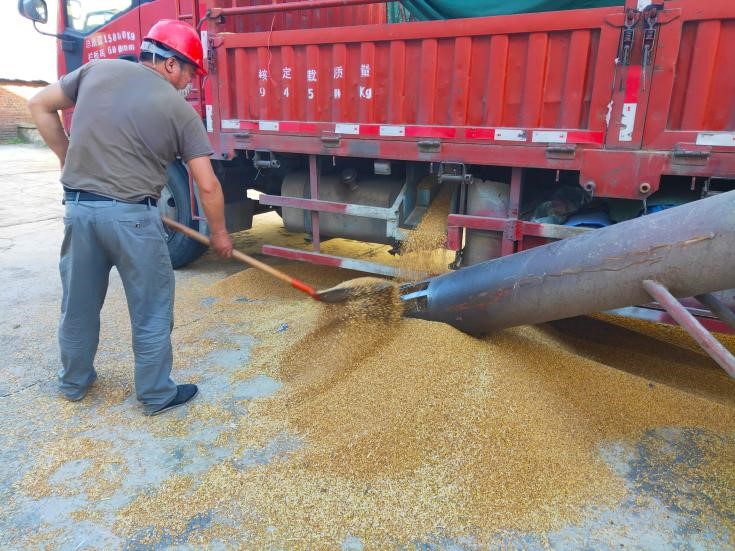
<point x="184" y="393"/>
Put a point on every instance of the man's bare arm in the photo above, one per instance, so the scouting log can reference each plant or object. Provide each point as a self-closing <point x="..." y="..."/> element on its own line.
<point x="45" y="107"/>
<point x="213" y="203"/>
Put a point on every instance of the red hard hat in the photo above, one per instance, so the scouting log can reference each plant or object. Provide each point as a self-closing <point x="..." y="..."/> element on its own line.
<point x="182" y="39"/>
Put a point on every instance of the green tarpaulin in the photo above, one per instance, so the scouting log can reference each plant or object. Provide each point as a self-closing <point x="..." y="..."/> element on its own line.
<point x="450" y="9"/>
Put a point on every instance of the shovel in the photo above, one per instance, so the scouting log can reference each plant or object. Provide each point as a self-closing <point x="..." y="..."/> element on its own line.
<point x="333" y="295"/>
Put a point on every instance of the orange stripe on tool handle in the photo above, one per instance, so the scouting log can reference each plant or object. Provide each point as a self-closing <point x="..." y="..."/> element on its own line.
<point x="308" y="289"/>
<point x="242" y="257"/>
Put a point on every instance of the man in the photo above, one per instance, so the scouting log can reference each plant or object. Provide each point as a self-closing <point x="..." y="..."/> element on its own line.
<point x="129" y="123"/>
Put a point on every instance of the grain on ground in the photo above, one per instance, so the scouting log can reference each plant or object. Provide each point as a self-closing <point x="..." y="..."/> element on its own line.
<point x="413" y="425"/>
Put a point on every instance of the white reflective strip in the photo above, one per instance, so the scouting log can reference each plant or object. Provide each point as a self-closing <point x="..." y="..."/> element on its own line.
<point x="392" y="130"/>
<point x="369" y="211"/>
<point x="549" y="136"/>
<point x="716" y="138"/>
<point x="510" y="134"/>
<point x="627" y="122"/>
<point x="368" y="267"/>
<point x="642" y="4"/>
<point x="204" y="43"/>
<point x="231" y="124"/>
<point x="208" y="111"/>
<point x="340" y="128"/>
<point x="268" y="125"/>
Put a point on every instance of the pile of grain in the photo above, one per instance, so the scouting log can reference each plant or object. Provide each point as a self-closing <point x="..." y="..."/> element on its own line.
<point x="671" y="334"/>
<point x="412" y="430"/>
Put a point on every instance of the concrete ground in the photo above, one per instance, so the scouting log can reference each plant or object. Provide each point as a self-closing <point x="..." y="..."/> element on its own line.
<point x="31" y="229"/>
<point x="50" y="501"/>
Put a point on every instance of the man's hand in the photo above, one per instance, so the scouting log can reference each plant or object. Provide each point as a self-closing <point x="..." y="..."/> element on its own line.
<point x="44" y="108"/>
<point x="221" y="243"/>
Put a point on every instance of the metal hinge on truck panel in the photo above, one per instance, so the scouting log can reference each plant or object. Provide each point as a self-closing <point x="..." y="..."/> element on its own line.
<point x="429" y="145"/>
<point x="331" y="140"/>
<point x="211" y="14"/>
<point x="633" y="17"/>
<point x="628" y="37"/>
<point x="213" y="42"/>
<point x="260" y="162"/>
<point x="635" y="61"/>
<point x="561" y="151"/>
<point x="686" y="154"/>
<point x="650" y="22"/>
<point x="453" y="172"/>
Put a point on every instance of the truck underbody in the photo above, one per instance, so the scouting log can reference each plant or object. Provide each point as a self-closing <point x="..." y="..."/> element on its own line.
<point x="544" y="126"/>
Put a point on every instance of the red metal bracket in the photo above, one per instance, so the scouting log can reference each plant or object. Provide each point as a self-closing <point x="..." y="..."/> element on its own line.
<point x="454" y="238"/>
<point x="513" y="230"/>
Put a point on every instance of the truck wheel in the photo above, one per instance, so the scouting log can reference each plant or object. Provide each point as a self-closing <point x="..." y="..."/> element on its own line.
<point x="176" y="204"/>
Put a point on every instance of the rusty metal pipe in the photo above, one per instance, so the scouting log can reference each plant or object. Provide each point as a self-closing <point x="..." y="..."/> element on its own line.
<point x="690" y="324"/>
<point x="214" y="13"/>
<point x="687" y="248"/>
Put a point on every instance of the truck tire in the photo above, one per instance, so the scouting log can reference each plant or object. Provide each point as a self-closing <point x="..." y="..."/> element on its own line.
<point x="175" y="203"/>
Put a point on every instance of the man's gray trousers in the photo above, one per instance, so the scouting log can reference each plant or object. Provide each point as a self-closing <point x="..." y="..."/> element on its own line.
<point x="97" y="236"/>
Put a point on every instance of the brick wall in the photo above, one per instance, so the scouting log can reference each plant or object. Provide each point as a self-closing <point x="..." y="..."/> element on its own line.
<point x="13" y="106"/>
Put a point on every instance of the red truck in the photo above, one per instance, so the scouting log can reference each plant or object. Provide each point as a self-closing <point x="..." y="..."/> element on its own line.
<point x="546" y="124"/>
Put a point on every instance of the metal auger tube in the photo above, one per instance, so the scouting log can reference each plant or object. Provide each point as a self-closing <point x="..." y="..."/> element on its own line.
<point x="689" y="249"/>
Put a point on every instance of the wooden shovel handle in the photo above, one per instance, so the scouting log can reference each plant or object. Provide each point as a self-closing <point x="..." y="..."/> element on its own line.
<point x="242" y="257"/>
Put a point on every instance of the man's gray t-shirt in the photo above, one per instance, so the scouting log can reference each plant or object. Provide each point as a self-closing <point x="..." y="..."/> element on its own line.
<point x="129" y="124"/>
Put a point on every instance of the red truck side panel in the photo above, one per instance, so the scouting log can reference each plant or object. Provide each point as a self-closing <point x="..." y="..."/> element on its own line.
<point x="548" y="70"/>
<point x="693" y="86"/>
<point x="298" y="19"/>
